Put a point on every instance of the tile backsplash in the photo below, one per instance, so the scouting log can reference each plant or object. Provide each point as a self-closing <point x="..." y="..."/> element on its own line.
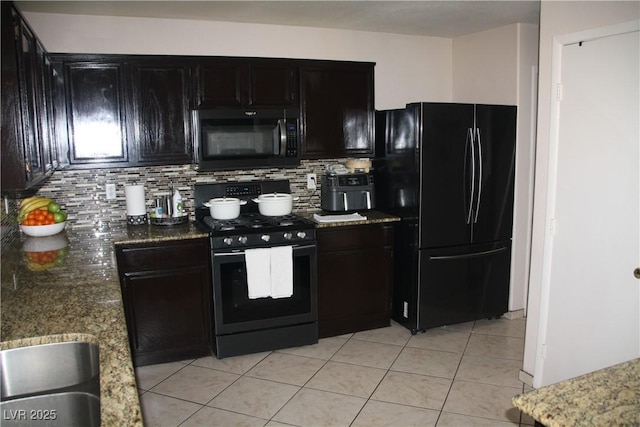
<point x="82" y="192"/>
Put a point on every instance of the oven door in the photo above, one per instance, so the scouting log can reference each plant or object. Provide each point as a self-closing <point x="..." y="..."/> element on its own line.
<point x="235" y="312"/>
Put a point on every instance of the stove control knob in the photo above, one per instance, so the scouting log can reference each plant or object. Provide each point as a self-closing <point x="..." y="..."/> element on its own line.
<point x="301" y="234"/>
<point x="242" y="239"/>
<point x="266" y="237"/>
<point x="288" y="236"/>
<point x="228" y="241"/>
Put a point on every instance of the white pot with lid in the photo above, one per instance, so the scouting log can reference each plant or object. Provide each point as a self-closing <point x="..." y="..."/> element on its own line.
<point x="225" y="207"/>
<point x="275" y="204"/>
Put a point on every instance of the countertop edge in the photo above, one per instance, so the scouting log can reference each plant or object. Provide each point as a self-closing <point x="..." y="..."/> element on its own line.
<point x="609" y="396"/>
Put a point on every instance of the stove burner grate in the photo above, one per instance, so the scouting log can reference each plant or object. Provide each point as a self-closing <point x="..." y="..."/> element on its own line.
<point x="252" y="221"/>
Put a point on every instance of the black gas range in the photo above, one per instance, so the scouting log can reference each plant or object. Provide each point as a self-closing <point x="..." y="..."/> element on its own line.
<point x="245" y="324"/>
<point x="250" y="229"/>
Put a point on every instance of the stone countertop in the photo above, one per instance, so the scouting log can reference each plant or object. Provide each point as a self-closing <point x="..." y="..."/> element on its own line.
<point x="79" y="298"/>
<point x="373" y="217"/>
<point x="608" y="397"/>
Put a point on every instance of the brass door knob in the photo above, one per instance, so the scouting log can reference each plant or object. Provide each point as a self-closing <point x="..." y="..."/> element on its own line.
<point x="636" y="273"/>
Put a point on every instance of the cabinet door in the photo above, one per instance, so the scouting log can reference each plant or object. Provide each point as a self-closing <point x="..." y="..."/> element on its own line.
<point x="160" y="102"/>
<point x="246" y="83"/>
<point x="354" y="279"/>
<point x="95" y="113"/>
<point x="167" y="295"/>
<point x="337" y="110"/>
<point x="29" y="68"/>
<point x="272" y="84"/>
<point x="168" y="312"/>
<point x="220" y="83"/>
<point x="58" y="129"/>
<point x="26" y="159"/>
<point x="45" y="101"/>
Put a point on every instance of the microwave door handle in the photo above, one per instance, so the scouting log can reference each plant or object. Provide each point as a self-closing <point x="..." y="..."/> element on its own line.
<point x="283" y="137"/>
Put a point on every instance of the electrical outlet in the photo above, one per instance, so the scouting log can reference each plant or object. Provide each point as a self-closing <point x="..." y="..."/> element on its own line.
<point x="111" y="191"/>
<point x="311" y="181"/>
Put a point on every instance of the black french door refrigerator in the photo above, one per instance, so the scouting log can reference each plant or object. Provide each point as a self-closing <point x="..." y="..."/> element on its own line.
<point x="447" y="171"/>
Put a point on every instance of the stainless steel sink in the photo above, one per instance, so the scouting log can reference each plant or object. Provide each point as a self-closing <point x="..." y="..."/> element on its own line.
<point x="50" y="385"/>
<point x="50" y="368"/>
<point x="72" y="409"/>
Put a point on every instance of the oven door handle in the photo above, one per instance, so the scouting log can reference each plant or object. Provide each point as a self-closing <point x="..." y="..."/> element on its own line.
<point x="295" y="248"/>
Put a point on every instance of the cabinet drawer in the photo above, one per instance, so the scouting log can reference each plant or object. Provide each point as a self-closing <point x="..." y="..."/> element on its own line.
<point x="163" y="256"/>
<point x="354" y="237"/>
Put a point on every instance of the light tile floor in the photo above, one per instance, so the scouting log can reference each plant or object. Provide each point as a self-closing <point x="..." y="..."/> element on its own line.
<point x="460" y="375"/>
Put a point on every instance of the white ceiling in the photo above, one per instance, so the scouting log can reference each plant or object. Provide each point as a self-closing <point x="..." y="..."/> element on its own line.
<point x="449" y="18"/>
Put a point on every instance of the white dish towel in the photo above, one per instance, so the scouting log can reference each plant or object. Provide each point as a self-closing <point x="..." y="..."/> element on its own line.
<point x="258" y="262"/>
<point x="281" y="272"/>
<point x="270" y="272"/>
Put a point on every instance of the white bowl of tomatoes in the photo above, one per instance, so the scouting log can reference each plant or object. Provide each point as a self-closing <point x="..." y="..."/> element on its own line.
<point x="43" y="230"/>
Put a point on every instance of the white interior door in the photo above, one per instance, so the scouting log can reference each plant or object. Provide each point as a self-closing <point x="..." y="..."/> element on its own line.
<point x="590" y="315"/>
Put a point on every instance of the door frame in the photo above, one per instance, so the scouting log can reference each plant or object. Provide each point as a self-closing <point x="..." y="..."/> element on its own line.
<point x="559" y="44"/>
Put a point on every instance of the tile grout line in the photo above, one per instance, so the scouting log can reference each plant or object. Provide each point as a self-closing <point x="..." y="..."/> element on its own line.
<point x="310" y="378"/>
<point x="455" y="374"/>
<point x="381" y="380"/>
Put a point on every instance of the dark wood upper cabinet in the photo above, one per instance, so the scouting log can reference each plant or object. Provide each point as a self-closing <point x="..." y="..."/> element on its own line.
<point x="160" y="105"/>
<point x="337" y="109"/>
<point x="237" y="82"/>
<point x="95" y="103"/>
<point x="219" y="83"/>
<point x="26" y="158"/>
<point x="125" y="110"/>
<point x="273" y="83"/>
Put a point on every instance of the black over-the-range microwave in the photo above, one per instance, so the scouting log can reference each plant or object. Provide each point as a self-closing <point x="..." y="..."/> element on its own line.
<point x="246" y="139"/>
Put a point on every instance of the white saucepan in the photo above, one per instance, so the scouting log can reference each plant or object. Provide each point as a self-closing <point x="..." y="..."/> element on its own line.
<point x="224" y="207"/>
<point x="275" y="204"/>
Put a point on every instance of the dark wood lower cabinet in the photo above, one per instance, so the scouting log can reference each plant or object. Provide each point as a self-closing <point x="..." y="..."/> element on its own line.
<point x="354" y="278"/>
<point x="166" y="288"/>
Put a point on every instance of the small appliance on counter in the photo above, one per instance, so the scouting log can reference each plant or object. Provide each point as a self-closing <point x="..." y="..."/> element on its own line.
<point x="347" y="192"/>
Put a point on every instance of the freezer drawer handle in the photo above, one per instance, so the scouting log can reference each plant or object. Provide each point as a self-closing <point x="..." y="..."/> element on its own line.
<point x="473" y="255"/>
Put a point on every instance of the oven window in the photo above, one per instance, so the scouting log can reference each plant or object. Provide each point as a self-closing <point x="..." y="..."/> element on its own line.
<point x="240" y="138"/>
<point x="238" y="308"/>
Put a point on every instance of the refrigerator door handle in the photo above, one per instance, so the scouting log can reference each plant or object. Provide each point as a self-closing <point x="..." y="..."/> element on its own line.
<point x="480" y="162"/>
<point x="472" y="255"/>
<point x="469" y="212"/>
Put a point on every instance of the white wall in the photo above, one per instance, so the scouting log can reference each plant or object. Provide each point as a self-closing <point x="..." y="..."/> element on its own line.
<point x="498" y="67"/>
<point x="408" y="68"/>
<point x="557" y="18"/>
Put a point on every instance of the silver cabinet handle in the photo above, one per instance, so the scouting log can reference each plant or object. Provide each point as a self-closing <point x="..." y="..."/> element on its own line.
<point x="345" y="202"/>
